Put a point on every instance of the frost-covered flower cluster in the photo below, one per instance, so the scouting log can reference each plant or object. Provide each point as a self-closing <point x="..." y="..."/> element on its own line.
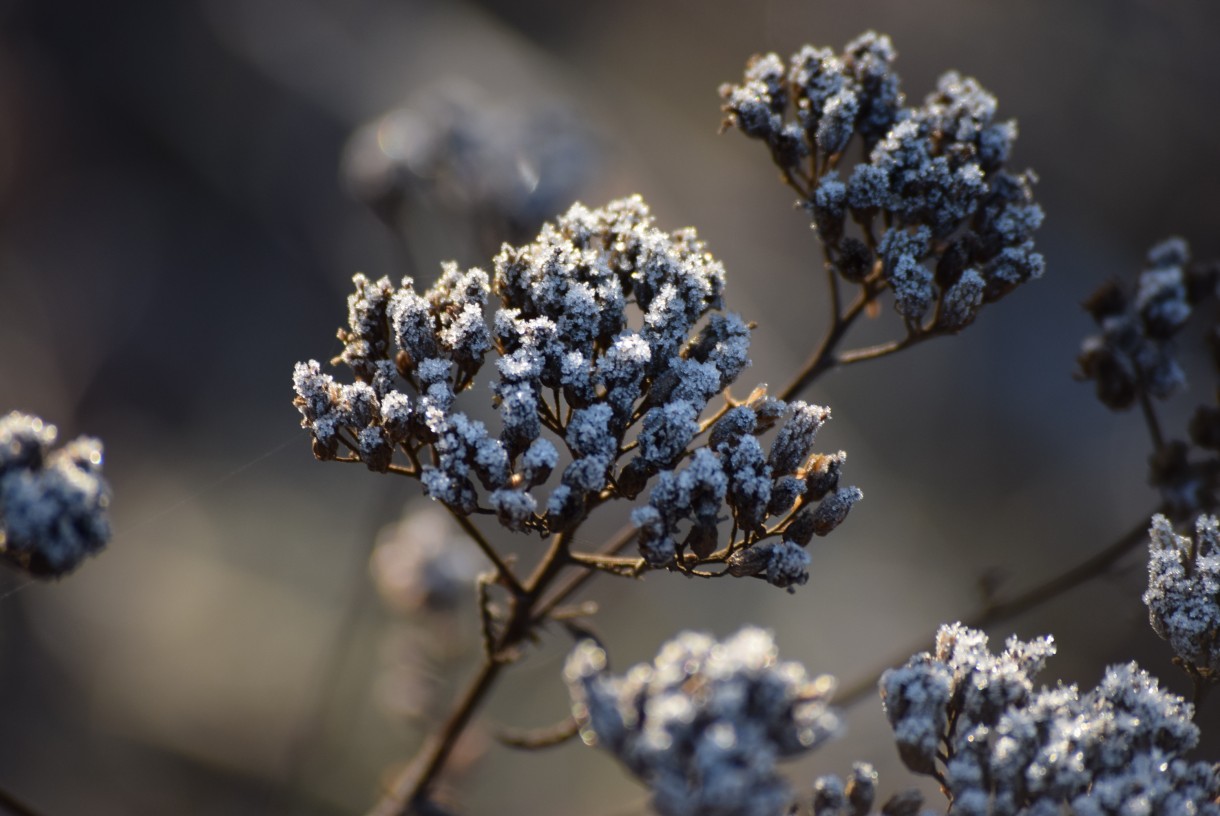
<point x="53" y="502"/>
<point x="624" y="402"/>
<point x="974" y="721"/>
<point x="1133" y="359"/>
<point x="704" y="724"/>
<point x="941" y="223"/>
<point x="1183" y="596"/>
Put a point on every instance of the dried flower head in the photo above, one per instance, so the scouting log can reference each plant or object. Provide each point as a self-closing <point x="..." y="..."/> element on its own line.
<point x="998" y="746"/>
<point x="53" y="502"/>
<point x="939" y="220"/>
<point x="610" y="343"/>
<point x="704" y="724"/>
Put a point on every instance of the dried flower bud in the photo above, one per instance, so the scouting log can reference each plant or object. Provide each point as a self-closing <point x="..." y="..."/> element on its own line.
<point x="834" y="509"/>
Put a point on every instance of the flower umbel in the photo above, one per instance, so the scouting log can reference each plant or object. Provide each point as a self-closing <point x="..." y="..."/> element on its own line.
<point x="974" y="721"/>
<point x="624" y="404"/>
<point x="938" y="219"/>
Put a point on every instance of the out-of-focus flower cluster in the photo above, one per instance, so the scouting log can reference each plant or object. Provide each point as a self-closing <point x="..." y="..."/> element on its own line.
<point x="704" y="724"/>
<point x="833" y="796"/>
<point x="423" y="561"/>
<point x="624" y="402"/>
<point x="974" y="721"/>
<point x="940" y="222"/>
<point x="1133" y="359"/>
<point x="501" y="165"/>
<point x="1133" y="354"/>
<point x="1183" y="596"/>
<point x="53" y="502"/>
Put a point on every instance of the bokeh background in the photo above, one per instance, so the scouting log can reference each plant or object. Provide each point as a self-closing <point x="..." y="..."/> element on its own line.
<point x="179" y="221"/>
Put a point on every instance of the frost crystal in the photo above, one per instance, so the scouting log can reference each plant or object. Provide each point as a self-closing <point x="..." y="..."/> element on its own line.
<point x="704" y="724"/>
<point x="53" y="502"/>
<point x="975" y="721"/>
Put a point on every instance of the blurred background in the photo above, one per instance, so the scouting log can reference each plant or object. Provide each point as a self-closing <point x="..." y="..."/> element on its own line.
<point x="185" y="191"/>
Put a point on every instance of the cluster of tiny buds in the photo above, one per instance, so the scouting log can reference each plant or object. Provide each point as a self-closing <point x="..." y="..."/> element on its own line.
<point x="704" y="724"/>
<point x="790" y="482"/>
<point x="1183" y="596"/>
<point x="937" y="218"/>
<point x="624" y="402"/>
<point x="973" y="721"/>
<point x="53" y="502"/>
<point x="1133" y="360"/>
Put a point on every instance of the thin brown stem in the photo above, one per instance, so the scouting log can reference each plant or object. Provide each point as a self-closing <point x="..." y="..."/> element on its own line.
<point x="411" y="787"/>
<point x="997" y="611"/>
<point x="617" y="565"/>
<point x="1151" y="420"/>
<point x="823" y="357"/>
<point x="880" y="350"/>
<point x="539" y="738"/>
